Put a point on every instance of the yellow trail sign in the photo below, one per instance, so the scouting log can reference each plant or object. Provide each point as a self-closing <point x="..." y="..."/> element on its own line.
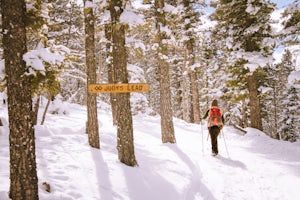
<point x="119" y="88"/>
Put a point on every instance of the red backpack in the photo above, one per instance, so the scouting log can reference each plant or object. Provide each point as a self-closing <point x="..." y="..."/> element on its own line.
<point x="215" y="117"/>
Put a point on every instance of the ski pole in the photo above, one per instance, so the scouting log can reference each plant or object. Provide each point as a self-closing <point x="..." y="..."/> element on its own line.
<point x="207" y="136"/>
<point x="225" y="143"/>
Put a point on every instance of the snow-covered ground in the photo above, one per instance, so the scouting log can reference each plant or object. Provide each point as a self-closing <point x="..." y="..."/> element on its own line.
<point x="257" y="167"/>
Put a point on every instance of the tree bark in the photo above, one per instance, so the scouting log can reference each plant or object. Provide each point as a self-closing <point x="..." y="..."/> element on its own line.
<point x="255" y="116"/>
<point x="92" y="117"/>
<point x="23" y="174"/>
<point x="178" y="95"/>
<point x="195" y="98"/>
<point x="186" y="90"/>
<point x="275" y="104"/>
<point x="125" y="144"/>
<point x="111" y="72"/>
<point x="194" y="84"/>
<point x="166" y="113"/>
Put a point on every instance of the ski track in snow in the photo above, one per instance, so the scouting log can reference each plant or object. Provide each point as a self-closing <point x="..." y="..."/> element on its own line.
<point x="257" y="167"/>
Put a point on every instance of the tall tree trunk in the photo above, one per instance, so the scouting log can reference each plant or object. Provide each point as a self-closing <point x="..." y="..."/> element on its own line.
<point x="177" y="85"/>
<point x="111" y="72"/>
<point x="255" y="115"/>
<point x="195" y="97"/>
<point x="166" y="113"/>
<point x="178" y="95"/>
<point x="206" y="91"/>
<point x="186" y="90"/>
<point x="92" y="117"/>
<point x="124" y="117"/>
<point x="275" y="102"/>
<point x="23" y="174"/>
<point x="190" y="43"/>
<point x="194" y="83"/>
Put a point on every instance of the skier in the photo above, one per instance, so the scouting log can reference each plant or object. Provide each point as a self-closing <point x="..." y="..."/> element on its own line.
<point x="215" y="124"/>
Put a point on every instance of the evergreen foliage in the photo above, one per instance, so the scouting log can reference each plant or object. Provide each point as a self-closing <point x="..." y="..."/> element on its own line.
<point x="274" y="96"/>
<point x="245" y="29"/>
<point x="66" y="28"/>
<point x="291" y="124"/>
<point x="291" y="24"/>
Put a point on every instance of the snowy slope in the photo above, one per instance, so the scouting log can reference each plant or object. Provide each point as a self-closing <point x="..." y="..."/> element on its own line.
<point x="257" y="167"/>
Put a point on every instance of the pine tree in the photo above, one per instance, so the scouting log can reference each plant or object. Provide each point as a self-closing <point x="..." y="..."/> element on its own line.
<point x="92" y="118"/>
<point x="245" y="27"/>
<point x="274" y="99"/>
<point x="175" y="58"/>
<point x="124" y="116"/>
<point x="163" y="68"/>
<point x="290" y="130"/>
<point x="190" y="90"/>
<point x="23" y="173"/>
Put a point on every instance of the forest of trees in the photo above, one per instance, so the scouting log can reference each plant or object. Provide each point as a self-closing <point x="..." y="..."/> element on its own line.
<point x="55" y="48"/>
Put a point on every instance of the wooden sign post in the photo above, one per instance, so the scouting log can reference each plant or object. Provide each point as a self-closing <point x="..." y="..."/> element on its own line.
<point x="119" y="88"/>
